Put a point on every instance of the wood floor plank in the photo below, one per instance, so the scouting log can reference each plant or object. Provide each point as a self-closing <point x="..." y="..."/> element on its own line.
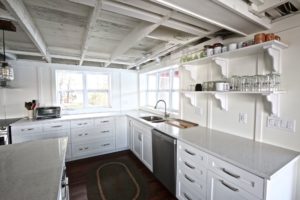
<point x="77" y="172"/>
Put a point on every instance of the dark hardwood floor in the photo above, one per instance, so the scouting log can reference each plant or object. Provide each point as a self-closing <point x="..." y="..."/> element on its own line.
<point x="77" y="172"/>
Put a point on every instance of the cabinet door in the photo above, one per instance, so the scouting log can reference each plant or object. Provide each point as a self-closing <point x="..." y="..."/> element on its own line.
<point x="129" y="134"/>
<point x="219" y="188"/>
<point x="137" y="141"/>
<point x="147" y="148"/>
<point x="121" y="132"/>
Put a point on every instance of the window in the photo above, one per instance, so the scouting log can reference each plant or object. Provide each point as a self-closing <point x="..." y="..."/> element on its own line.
<point x="82" y="90"/>
<point x="160" y="85"/>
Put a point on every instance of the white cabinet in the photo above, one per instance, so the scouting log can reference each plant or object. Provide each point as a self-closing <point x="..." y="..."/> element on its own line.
<point x="92" y="137"/>
<point x="130" y="133"/>
<point x="142" y="142"/>
<point x="137" y="141"/>
<point x="203" y="176"/>
<point x="121" y="132"/>
<point x="220" y="189"/>
<point x="147" y="148"/>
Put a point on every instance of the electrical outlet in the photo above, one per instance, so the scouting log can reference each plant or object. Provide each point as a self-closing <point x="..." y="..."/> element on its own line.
<point x="283" y="124"/>
<point x="291" y="125"/>
<point x="199" y="111"/>
<point x="243" y="118"/>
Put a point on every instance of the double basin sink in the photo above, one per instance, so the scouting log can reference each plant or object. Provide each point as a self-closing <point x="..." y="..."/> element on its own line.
<point x="171" y="121"/>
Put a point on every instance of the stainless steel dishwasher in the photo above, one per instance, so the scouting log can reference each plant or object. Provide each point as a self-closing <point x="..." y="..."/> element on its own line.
<point x="164" y="159"/>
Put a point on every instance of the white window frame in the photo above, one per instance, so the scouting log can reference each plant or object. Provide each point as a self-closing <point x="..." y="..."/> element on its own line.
<point x="85" y="108"/>
<point x="157" y="90"/>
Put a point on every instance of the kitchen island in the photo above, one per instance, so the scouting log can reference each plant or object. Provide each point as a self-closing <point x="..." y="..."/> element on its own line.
<point x="32" y="170"/>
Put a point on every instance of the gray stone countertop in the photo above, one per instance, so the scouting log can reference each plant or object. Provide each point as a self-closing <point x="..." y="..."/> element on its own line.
<point x="32" y="170"/>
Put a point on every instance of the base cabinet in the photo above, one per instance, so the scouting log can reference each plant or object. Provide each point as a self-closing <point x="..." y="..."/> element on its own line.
<point x="86" y="137"/>
<point x="203" y="176"/>
<point x="220" y="189"/>
<point x="140" y="137"/>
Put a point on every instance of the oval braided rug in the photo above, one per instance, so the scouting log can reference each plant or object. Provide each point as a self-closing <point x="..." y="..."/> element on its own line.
<point x="116" y="179"/>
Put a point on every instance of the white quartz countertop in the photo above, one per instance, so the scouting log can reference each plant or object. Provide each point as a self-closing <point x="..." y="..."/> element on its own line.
<point x="32" y="170"/>
<point x="261" y="159"/>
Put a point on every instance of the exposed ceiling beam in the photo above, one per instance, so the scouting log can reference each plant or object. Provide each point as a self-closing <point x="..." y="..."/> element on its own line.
<point x="151" y="17"/>
<point x="19" y="11"/>
<point x="136" y="35"/>
<point x="90" y="27"/>
<point x="157" y="9"/>
<point x="91" y="3"/>
<point x="161" y="52"/>
<point x="28" y="53"/>
<point x="5" y="15"/>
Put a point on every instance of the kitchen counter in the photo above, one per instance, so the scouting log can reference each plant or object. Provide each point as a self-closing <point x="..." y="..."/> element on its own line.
<point x="32" y="170"/>
<point x="68" y="117"/>
<point x="261" y="159"/>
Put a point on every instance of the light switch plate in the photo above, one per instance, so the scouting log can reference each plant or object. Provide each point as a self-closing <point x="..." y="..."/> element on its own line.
<point x="243" y="118"/>
<point x="282" y="124"/>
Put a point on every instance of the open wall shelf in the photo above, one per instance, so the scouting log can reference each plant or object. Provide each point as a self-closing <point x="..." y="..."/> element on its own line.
<point x="273" y="48"/>
<point x="273" y="97"/>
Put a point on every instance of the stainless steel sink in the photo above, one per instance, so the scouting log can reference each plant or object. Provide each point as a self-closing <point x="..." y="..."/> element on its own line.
<point x="153" y="119"/>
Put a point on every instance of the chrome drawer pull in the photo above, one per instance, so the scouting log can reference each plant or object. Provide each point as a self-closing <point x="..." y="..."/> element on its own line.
<point x="80" y="135"/>
<point x="85" y="123"/>
<point x="189" y="179"/>
<point x="229" y="187"/>
<point x="29" y="129"/>
<point x="79" y="124"/>
<point x="189" y="165"/>
<point x="104" y="131"/>
<point x="80" y="149"/>
<point x="105" y="144"/>
<point x="231" y="174"/>
<point x="189" y="152"/>
<point x="57" y="126"/>
<point x="187" y="196"/>
<point x="86" y="148"/>
<point x="104" y="121"/>
<point x="86" y="134"/>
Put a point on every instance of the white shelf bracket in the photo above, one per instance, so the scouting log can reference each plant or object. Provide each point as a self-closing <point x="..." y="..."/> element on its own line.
<point x="274" y="99"/>
<point x="192" y="98"/>
<point x="223" y="99"/>
<point x="192" y="70"/>
<point x="223" y="64"/>
<point x="275" y="54"/>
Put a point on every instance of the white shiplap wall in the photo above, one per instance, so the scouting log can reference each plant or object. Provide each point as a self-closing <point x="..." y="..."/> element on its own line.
<point x="35" y="80"/>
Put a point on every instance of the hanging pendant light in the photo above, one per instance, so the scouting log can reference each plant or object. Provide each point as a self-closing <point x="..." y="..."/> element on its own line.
<point x="6" y="71"/>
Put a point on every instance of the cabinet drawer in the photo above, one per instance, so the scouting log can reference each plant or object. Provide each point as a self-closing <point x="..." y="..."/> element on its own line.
<point x="81" y="135"/>
<point x="56" y="126"/>
<point x="18" y="138"/>
<point x="219" y="188"/>
<point x="237" y="176"/>
<point x="104" y="122"/>
<point x="185" y="193"/>
<point x="57" y="134"/>
<point x="93" y="147"/>
<point x="193" y="154"/>
<point x="190" y="182"/>
<point x="82" y="123"/>
<point x="197" y="171"/>
<point x="34" y="128"/>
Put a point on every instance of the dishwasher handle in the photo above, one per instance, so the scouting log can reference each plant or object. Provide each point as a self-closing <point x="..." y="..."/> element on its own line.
<point x="163" y="136"/>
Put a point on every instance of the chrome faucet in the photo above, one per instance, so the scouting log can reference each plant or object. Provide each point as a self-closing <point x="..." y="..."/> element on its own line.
<point x="166" y="114"/>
